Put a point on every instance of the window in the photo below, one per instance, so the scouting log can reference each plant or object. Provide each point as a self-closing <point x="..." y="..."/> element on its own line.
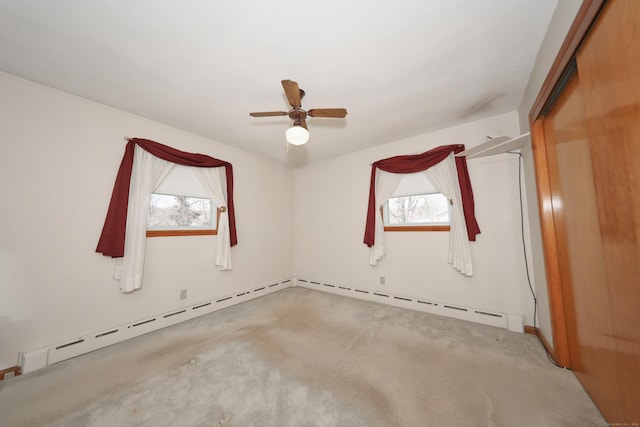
<point x="416" y="206"/>
<point x="181" y="207"/>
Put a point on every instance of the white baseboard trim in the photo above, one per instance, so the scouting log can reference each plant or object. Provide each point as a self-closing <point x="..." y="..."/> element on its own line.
<point x="513" y="322"/>
<point x="41" y="357"/>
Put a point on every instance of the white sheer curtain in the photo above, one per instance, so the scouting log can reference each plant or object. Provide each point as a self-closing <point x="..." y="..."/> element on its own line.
<point x="386" y="183"/>
<point x="444" y="178"/>
<point x="147" y="174"/>
<point x="214" y="181"/>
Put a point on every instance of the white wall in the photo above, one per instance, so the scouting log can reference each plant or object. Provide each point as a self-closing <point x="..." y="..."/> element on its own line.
<point x="60" y="154"/>
<point x="561" y="21"/>
<point x="330" y="202"/>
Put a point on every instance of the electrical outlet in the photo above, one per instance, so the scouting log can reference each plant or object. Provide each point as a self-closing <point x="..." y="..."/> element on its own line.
<point x="183" y="294"/>
<point x="382" y="280"/>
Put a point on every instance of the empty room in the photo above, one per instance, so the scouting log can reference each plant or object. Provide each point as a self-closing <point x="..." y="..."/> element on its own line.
<point x="284" y="213"/>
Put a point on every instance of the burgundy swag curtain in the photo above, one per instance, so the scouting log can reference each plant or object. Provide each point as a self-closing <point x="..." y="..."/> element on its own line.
<point x="417" y="163"/>
<point x="111" y="241"/>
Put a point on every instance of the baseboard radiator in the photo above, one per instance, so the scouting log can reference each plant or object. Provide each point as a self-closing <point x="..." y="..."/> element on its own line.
<point x="513" y="322"/>
<point x="31" y="360"/>
<point x="38" y="358"/>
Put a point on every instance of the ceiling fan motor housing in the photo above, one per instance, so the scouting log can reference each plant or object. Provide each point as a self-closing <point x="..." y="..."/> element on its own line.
<point x="297" y="114"/>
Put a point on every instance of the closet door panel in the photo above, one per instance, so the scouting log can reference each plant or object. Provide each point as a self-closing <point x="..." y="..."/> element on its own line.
<point x="579" y="245"/>
<point x="609" y="70"/>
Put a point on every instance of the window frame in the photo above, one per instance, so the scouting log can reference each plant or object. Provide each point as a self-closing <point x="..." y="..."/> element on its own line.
<point x="416" y="227"/>
<point x="188" y="231"/>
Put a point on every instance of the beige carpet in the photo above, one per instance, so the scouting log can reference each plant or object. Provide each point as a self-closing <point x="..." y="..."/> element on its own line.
<point x="306" y="358"/>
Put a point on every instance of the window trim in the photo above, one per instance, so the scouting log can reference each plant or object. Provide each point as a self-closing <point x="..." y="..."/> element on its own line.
<point x="417" y="228"/>
<point x="189" y="232"/>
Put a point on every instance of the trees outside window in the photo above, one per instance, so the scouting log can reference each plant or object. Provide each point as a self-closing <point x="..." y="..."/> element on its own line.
<point x="179" y="215"/>
<point x="418" y="209"/>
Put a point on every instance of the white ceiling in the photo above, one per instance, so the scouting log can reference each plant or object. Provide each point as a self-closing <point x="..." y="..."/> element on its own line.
<point x="401" y="68"/>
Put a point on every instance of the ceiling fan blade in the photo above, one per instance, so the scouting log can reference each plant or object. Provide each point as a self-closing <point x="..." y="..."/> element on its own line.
<point x="338" y="113"/>
<point x="268" y="114"/>
<point x="293" y="92"/>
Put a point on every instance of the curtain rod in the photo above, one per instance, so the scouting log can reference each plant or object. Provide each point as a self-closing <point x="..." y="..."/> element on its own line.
<point x="126" y="138"/>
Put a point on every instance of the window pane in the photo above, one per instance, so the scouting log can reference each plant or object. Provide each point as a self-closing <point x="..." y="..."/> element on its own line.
<point x="418" y="209"/>
<point x="170" y="211"/>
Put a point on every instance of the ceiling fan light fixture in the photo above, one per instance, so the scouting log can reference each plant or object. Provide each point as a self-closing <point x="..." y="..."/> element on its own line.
<point x="297" y="135"/>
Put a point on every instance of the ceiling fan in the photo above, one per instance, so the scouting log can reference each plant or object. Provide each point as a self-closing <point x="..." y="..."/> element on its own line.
<point x="298" y="134"/>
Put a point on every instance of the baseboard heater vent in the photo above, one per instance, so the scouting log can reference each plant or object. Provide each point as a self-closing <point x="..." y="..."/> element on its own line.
<point x="484" y="313"/>
<point x="509" y="321"/>
<point x="455" y="308"/>
<point x="142" y="323"/>
<point x="174" y="314"/>
<point x="69" y="344"/>
<point x="427" y="303"/>
<point x="37" y="358"/>
<point x="107" y="333"/>
<point x="200" y="306"/>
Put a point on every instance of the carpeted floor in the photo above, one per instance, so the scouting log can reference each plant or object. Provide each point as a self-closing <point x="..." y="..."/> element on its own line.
<point x="300" y="357"/>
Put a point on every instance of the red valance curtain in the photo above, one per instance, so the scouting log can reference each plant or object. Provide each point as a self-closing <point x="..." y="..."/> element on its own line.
<point x="111" y="241"/>
<point x="417" y="163"/>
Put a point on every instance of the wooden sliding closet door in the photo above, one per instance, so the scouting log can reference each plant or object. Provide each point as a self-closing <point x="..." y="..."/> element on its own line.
<point x="609" y="69"/>
<point x="591" y="138"/>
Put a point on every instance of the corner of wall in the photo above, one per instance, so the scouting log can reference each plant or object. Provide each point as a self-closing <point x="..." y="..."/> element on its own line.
<point x="559" y="25"/>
